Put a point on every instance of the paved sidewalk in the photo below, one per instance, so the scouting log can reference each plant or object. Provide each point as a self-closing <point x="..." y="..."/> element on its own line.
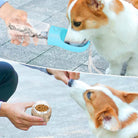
<point x="41" y="12"/>
<point x="68" y="119"/>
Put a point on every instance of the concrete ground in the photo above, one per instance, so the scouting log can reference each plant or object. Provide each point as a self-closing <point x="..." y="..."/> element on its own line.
<point x="41" y="12"/>
<point x="68" y="119"/>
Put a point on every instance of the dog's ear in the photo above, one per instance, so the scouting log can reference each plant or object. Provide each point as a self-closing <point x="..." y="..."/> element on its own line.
<point x="108" y="119"/>
<point x="94" y="3"/>
<point x="129" y="97"/>
<point x="125" y="96"/>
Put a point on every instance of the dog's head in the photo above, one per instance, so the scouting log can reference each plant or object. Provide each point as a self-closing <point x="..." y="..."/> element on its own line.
<point x="87" y="15"/>
<point x="107" y="108"/>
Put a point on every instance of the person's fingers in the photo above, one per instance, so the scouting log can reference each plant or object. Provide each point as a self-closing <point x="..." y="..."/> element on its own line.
<point x="77" y="76"/>
<point x="62" y="77"/>
<point x="23" y="127"/>
<point x="20" y="19"/>
<point x="25" y="38"/>
<point x="26" y="41"/>
<point x="16" y="42"/>
<point x="15" y="38"/>
<point x="74" y="75"/>
<point x="18" y="123"/>
<point x="29" y="121"/>
<point x="29" y="124"/>
<point x="35" y="39"/>
<point x="19" y="38"/>
<point x="30" y="118"/>
<point x="65" y="78"/>
<point x="12" y="41"/>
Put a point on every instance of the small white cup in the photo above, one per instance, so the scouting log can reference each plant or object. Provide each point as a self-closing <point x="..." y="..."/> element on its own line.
<point x="45" y="115"/>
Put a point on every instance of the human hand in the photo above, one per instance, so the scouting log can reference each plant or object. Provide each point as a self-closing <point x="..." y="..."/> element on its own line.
<point x="64" y="76"/>
<point x="16" y="17"/>
<point x="15" y="112"/>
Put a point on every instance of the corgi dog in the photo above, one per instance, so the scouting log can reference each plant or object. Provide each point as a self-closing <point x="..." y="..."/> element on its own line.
<point x="112" y="26"/>
<point x="109" y="111"/>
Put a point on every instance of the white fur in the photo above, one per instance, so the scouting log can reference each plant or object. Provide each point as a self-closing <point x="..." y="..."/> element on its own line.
<point x="78" y="95"/>
<point x="117" y="41"/>
<point x="111" y="125"/>
<point x="125" y="110"/>
<point x="70" y="8"/>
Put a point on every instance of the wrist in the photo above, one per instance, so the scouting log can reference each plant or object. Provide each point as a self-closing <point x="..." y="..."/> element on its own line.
<point x="2" y="2"/>
<point x="6" y="10"/>
<point x="49" y="71"/>
<point x="3" y="109"/>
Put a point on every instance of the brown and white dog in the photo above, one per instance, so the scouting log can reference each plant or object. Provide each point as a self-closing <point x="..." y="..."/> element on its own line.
<point x="110" y="112"/>
<point x="112" y="25"/>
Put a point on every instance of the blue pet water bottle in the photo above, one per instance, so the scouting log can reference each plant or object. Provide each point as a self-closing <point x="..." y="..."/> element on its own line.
<point x="55" y="36"/>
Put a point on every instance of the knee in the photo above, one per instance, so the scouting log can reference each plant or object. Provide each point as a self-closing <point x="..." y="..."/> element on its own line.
<point x="8" y="79"/>
<point x="7" y="71"/>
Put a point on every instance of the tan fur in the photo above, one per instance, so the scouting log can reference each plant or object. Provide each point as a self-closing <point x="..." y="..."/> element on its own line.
<point x="102" y="106"/>
<point x="134" y="3"/>
<point x="70" y="2"/>
<point x="116" y="6"/>
<point x="130" y="120"/>
<point x="93" y="17"/>
<point x="124" y="96"/>
<point x="68" y="7"/>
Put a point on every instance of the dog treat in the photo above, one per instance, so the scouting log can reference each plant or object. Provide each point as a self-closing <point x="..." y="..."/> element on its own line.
<point x="42" y="109"/>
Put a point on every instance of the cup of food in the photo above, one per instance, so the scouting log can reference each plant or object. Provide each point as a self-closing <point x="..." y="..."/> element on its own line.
<point x="42" y="109"/>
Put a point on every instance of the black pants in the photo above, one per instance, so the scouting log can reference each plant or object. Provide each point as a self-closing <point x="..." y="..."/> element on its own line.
<point x="8" y="81"/>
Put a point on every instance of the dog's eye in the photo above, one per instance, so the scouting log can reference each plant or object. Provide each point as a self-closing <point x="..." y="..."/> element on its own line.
<point x="89" y="95"/>
<point x="76" y="24"/>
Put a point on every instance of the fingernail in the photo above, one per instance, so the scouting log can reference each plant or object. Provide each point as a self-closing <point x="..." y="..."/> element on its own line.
<point x="44" y="123"/>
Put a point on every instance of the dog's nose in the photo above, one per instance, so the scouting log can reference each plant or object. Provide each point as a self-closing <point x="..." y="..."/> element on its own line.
<point x="89" y="95"/>
<point x="67" y="42"/>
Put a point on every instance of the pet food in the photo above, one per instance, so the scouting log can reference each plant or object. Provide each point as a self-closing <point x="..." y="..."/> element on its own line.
<point x="42" y="109"/>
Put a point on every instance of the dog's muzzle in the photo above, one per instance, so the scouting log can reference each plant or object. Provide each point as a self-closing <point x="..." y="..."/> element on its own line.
<point x="77" y="44"/>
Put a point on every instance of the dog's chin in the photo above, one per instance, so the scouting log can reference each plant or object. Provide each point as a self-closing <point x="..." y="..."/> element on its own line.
<point x="77" y="44"/>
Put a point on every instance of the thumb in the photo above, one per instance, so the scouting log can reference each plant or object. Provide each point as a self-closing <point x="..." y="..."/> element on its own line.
<point x="74" y="75"/>
<point x="65" y="79"/>
<point x="28" y="104"/>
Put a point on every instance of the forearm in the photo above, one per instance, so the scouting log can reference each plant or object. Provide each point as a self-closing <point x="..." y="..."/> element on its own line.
<point x="6" y="10"/>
